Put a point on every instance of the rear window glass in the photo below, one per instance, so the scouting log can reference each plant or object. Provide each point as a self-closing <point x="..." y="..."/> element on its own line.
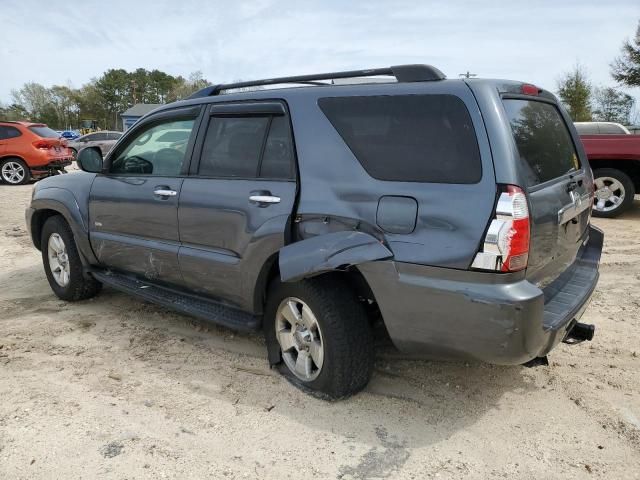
<point x="408" y="138"/>
<point x="44" y="132"/>
<point x="611" y="129"/>
<point x="543" y="140"/>
<point x="587" y="128"/>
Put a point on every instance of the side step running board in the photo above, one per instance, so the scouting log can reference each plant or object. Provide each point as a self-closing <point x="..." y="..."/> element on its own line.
<point x="199" y="307"/>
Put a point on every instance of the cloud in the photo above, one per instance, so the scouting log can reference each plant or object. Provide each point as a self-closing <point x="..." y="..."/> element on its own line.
<point x="73" y="41"/>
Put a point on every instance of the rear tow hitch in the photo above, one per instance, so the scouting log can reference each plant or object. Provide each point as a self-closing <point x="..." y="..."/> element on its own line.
<point x="579" y="333"/>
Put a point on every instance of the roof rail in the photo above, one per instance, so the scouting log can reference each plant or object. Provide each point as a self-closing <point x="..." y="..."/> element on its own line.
<point x="403" y="73"/>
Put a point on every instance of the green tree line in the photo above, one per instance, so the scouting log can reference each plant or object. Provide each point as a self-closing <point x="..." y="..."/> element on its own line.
<point x="586" y="102"/>
<point x="102" y="99"/>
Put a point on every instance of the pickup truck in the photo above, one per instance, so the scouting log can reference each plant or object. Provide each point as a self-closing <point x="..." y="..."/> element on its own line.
<point x="615" y="160"/>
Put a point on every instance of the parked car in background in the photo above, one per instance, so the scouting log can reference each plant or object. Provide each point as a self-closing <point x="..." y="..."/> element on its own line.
<point x="30" y="150"/>
<point x="601" y="128"/>
<point x="69" y="134"/>
<point x="456" y="212"/>
<point x="104" y="140"/>
<point x="615" y="160"/>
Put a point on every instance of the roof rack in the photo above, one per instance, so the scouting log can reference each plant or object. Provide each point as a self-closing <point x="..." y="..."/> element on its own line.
<point x="403" y="73"/>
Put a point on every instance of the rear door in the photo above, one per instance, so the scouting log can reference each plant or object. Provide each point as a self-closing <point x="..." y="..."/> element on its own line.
<point x="235" y="206"/>
<point x="559" y="186"/>
<point x="133" y="209"/>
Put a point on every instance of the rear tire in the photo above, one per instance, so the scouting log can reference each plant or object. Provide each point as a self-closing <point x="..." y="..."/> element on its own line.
<point x="332" y="330"/>
<point x="14" y="171"/>
<point x="614" y="192"/>
<point x="62" y="263"/>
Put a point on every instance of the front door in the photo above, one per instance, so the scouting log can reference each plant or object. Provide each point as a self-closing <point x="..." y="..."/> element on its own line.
<point x="236" y="205"/>
<point x="133" y="209"/>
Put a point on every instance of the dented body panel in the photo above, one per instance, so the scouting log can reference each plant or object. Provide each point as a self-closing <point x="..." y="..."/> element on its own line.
<point x="332" y="251"/>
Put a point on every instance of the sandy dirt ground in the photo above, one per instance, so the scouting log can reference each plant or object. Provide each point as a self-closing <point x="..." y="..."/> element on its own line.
<point x="116" y="388"/>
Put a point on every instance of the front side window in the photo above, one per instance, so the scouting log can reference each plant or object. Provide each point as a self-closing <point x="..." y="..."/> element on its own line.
<point x="158" y="149"/>
<point x="543" y="140"/>
<point x="247" y="147"/>
<point x="408" y="138"/>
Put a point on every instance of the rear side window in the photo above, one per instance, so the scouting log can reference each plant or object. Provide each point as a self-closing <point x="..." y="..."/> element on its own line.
<point x="543" y="140"/>
<point x="247" y="147"/>
<point x="408" y="138"/>
<point x="7" y="132"/>
<point x="44" y="132"/>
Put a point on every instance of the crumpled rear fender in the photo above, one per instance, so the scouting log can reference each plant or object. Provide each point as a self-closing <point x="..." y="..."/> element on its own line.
<point x="328" y="252"/>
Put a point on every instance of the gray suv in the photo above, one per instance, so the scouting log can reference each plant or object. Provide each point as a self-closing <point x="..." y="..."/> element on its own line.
<point x="455" y="213"/>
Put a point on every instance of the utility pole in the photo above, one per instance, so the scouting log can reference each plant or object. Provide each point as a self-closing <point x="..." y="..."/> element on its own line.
<point x="468" y="74"/>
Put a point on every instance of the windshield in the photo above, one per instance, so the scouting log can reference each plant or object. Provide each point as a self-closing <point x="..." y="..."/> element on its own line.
<point x="543" y="140"/>
<point x="44" y="131"/>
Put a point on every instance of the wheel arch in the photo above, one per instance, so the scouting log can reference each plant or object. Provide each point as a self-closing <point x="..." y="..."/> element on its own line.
<point x="38" y="220"/>
<point x="61" y="202"/>
<point x="8" y="156"/>
<point x="630" y="167"/>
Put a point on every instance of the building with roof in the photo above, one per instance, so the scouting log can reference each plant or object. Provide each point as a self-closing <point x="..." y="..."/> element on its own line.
<point x="136" y="112"/>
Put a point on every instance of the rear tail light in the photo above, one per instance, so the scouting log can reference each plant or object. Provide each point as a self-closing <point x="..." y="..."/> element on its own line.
<point x="45" y="144"/>
<point x="506" y="245"/>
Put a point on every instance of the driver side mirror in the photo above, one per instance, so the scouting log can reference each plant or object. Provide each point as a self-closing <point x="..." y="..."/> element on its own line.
<point x="90" y="160"/>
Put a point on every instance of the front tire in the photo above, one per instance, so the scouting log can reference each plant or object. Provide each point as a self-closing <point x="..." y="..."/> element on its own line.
<point x="14" y="171"/>
<point x="62" y="263"/>
<point x="323" y="335"/>
<point x="614" y="192"/>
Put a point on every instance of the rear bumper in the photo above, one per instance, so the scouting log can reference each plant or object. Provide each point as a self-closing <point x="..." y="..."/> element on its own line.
<point x="56" y="164"/>
<point x="496" y="318"/>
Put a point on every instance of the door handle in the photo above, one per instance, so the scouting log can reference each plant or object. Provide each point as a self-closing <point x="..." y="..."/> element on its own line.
<point x="264" y="199"/>
<point x="165" y="192"/>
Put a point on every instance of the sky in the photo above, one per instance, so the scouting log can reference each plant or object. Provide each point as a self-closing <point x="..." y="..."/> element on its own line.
<point x="72" y="41"/>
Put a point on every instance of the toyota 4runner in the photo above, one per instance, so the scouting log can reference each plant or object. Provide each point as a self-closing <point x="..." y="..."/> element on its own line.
<point x="457" y="212"/>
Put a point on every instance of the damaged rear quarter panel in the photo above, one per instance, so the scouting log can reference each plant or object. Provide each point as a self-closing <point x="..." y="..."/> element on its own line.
<point x="331" y="251"/>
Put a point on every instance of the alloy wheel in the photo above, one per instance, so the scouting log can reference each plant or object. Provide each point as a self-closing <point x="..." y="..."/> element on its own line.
<point x="609" y="194"/>
<point x="300" y="339"/>
<point x="58" y="260"/>
<point x="13" y="172"/>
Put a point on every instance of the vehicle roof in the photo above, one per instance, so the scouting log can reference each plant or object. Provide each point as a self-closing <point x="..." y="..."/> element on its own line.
<point x="24" y="124"/>
<point x="364" y="88"/>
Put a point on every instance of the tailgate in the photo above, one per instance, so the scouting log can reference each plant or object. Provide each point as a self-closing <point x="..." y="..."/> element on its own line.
<point x="559" y="187"/>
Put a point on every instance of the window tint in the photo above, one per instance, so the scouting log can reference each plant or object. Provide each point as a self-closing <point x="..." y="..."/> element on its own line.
<point x="98" y="137"/>
<point x="611" y="129"/>
<point x="44" y="132"/>
<point x="232" y="146"/>
<point x="408" y="138"/>
<point x="587" y="128"/>
<point x="149" y="152"/>
<point x="7" y="132"/>
<point x="543" y="140"/>
<point x="114" y="136"/>
<point x="277" y="161"/>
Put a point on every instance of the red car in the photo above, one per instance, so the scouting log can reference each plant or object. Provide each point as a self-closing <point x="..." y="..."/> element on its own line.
<point x="30" y="150"/>
<point x="615" y="160"/>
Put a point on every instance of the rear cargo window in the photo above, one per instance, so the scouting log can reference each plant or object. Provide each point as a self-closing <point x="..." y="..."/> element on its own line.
<point x="543" y="140"/>
<point x="408" y="138"/>
<point x="44" y="132"/>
